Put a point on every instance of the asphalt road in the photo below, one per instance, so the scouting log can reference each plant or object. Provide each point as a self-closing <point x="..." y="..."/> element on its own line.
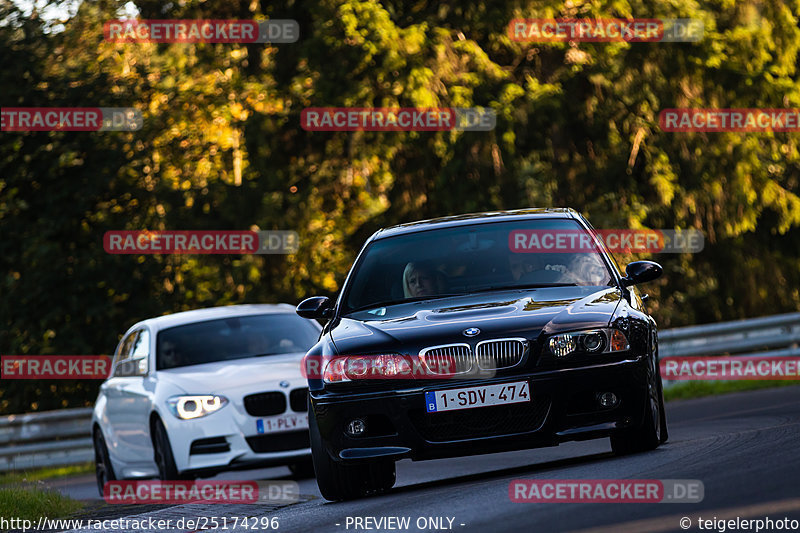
<point x="744" y="447"/>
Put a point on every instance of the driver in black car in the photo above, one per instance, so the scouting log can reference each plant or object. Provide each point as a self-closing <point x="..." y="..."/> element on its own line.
<point x="421" y="279"/>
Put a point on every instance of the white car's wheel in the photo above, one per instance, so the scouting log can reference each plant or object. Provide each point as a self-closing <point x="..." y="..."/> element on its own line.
<point x="104" y="471"/>
<point x="163" y="454"/>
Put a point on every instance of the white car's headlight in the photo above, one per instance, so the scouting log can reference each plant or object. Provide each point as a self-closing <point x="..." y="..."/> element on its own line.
<point x="188" y="407"/>
<point x="603" y="340"/>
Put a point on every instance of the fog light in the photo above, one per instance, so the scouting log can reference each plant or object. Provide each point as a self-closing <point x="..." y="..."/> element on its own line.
<point x="355" y="427"/>
<point x="607" y="399"/>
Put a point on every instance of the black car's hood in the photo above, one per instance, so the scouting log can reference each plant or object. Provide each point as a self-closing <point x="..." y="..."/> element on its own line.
<point x="512" y="313"/>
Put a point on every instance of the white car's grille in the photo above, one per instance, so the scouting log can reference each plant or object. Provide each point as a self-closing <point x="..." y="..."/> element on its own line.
<point x="265" y="403"/>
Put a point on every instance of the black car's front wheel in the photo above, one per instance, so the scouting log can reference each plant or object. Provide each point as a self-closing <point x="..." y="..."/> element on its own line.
<point x="302" y="469"/>
<point x="338" y="481"/>
<point x="103" y="469"/>
<point x="647" y="436"/>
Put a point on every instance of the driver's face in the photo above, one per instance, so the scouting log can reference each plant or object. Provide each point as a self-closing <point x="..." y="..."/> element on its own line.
<point x="169" y="354"/>
<point x="421" y="283"/>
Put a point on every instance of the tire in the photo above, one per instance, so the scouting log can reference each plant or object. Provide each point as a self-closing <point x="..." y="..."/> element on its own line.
<point x="662" y="412"/>
<point x="103" y="469"/>
<point x="338" y="481"/>
<point x="646" y="437"/>
<point x="162" y="454"/>
<point x="302" y="469"/>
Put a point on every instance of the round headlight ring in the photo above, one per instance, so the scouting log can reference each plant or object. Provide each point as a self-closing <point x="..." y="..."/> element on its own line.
<point x="593" y="342"/>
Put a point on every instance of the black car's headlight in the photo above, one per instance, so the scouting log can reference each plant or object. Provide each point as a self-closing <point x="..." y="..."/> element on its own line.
<point x="595" y="341"/>
<point x="376" y="366"/>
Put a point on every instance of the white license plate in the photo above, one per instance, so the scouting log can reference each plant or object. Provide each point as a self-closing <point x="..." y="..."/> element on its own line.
<point x="467" y="398"/>
<point x="274" y="424"/>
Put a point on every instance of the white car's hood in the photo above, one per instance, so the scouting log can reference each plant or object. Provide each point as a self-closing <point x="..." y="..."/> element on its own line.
<point x="253" y="374"/>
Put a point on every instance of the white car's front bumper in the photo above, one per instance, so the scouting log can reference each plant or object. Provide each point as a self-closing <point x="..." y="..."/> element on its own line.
<point x="231" y="438"/>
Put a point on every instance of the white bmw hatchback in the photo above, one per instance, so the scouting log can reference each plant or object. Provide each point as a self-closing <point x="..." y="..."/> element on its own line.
<point x="195" y="393"/>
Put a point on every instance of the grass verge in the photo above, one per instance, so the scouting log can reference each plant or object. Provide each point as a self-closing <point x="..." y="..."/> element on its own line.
<point x="23" y="476"/>
<point x="23" y="494"/>
<point x="29" y="503"/>
<point x="698" y="389"/>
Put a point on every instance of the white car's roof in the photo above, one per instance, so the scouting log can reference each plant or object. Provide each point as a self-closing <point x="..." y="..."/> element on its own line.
<point x="200" y="315"/>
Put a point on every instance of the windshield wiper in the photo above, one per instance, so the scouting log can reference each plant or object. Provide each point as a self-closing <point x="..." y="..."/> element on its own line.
<point x="387" y="303"/>
<point x="523" y="287"/>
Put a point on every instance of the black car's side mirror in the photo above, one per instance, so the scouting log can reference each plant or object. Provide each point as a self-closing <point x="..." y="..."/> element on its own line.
<point x="315" y="307"/>
<point x="641" y="272"/>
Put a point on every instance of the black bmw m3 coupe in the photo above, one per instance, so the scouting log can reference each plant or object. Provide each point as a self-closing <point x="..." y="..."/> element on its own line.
<point x="475" y="334"/>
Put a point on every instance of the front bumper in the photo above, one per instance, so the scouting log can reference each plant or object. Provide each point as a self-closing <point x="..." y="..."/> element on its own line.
<point x="229" y="440"/>
<point x="563" y="407"/>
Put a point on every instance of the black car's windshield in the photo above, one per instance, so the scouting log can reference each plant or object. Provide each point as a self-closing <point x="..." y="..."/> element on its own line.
<point x="475" y="258"/>
<point x="233" y="338"/>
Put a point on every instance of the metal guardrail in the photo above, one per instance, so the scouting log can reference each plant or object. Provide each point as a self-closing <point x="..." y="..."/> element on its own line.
<point x="56" y="438"/>
<point x="770" y="336"/>
<point x="49" y="438"/>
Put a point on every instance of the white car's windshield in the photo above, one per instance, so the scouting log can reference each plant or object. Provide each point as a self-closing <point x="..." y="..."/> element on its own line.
<point x="233" y="338"/>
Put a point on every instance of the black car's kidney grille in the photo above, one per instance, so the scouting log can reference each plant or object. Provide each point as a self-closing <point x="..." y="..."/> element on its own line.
<point x="491" y="421"/>
<point x="298" y="400"/>
<point x="460" y="359"/>
<point x="449" y="359"/>
<point x="279" y="442"/>
<point x="500" y="353"/>
<point x="265" y="403"/>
